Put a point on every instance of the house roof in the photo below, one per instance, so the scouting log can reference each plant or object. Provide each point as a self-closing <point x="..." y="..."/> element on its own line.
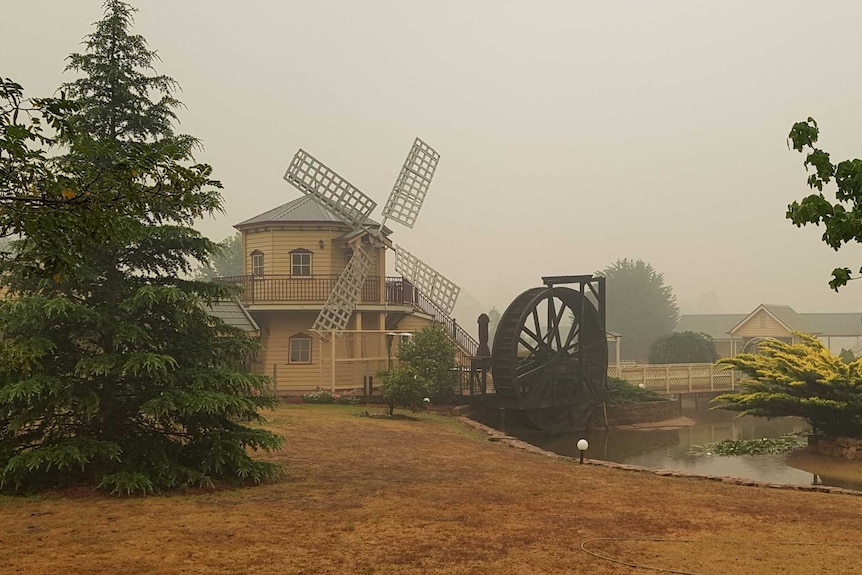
<point x="715" y="325"/>
<point x="234" y="314"/>
<point x="719" y="326"/>
<point x="835" y="324"/>
<point x="302" y="209"/>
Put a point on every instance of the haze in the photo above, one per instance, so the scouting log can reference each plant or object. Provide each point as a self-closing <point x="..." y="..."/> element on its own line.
<point x="572" y="134"/>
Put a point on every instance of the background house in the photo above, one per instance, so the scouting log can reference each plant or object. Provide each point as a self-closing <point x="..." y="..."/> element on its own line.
<point x="738" y="333"/>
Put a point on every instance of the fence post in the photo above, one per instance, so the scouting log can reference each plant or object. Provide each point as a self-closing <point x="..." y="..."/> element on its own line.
<point x="689" y="377"/>
<point x="643" y="376"/>
<point x="667" y="379"/>
<point x="712" y="377"/>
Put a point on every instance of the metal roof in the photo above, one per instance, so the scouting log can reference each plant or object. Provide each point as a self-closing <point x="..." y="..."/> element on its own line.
<point x="835" y="324"/>
<point x="234" y="314"/>
<point x="302" y="209"/>
<point x="715" y="325"/>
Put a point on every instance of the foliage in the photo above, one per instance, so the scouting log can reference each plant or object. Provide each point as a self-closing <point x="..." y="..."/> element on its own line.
<point x="683" y="347"/>
<point x="111" y="371"/>
<point x="431" y="354"/>
<point x="639" y="306"/>
<point x="841" y="220"/>
<point x="847" y="355"/>
<point x="227" y="261"/>
<point x="621" y="392"/>
<point x="323" y="397"/>
<point x="756" y="446"/>
<point x="404" y="386"/>
<point x="802" y="380"/>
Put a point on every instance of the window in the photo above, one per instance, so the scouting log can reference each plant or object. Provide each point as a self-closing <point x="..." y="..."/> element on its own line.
<point x="257" y="263"/>
<point x="300" y="349"/>
<point x="300" y="263"/>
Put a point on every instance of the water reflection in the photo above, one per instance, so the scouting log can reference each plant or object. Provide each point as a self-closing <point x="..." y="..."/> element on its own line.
<point x="684" y="449"/>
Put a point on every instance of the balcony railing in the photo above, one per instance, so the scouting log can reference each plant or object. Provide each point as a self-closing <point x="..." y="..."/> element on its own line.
<point x="314" y="289"/>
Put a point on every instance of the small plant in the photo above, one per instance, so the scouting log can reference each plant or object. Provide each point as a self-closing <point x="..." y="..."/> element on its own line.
<point x="431" y="354"/>
<point x="346" y="398"/>
<point x="318" y="397"/>
<point x="621" y="392"/>
<point x="756" y="446"/>
<point x="404" y="386"/>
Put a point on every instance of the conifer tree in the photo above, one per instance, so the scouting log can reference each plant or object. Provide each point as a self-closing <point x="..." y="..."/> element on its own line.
<point x="112" y="371"/>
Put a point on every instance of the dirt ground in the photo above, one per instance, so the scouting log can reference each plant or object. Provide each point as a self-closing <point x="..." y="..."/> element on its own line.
<point x="367" y="495"/>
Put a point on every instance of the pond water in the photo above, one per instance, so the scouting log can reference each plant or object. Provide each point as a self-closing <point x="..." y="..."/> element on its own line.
<point x="684" y="449"/>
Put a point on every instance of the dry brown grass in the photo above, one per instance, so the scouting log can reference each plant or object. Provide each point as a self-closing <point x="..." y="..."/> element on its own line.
<point x="366" y="495"/>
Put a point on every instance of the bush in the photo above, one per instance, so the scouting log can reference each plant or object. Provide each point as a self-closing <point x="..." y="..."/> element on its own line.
<point x="318" y="397"/>
<point x="404" y="386"/>
<point x="683" y="347"/>
<point x="431" y="354"/>
<point x="621" y="392"/>
<point x="802" y="380"/>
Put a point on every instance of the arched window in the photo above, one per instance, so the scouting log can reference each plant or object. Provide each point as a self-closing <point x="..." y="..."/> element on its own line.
<point x="257" y="263"/>
<point x="300" y="262"/>
<point x="300" y="349"/>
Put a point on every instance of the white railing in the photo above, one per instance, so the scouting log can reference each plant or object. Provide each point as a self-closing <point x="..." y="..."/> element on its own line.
<point x="678" y="378"/>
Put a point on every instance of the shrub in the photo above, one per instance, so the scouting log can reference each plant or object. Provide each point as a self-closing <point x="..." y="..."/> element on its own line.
<point x="803" y="380"/>
<point x="621" y="392"/>
<point x="318" y="397"/>
<point x="431" y="354"/>
<point x="683" y="347"/>
<point x="404" y="386"/>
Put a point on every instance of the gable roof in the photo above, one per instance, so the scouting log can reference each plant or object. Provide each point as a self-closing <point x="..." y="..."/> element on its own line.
<point x="719" y="326"/>
<point x="783" y="314"/>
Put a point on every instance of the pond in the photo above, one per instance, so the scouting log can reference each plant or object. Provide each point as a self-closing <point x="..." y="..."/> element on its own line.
<point x="686" y="449"/>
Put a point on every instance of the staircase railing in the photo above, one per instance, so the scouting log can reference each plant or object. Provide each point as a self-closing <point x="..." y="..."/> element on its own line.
<point x="462" y="339"/>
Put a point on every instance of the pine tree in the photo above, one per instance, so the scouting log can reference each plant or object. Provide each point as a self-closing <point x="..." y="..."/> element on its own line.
<point x="112" y="372"/>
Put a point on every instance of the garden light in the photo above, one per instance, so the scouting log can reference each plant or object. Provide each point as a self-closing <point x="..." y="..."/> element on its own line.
<point x="583" y="445"/>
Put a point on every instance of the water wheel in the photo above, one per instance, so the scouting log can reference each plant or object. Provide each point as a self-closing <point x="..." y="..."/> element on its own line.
<point x="550" y="357"/>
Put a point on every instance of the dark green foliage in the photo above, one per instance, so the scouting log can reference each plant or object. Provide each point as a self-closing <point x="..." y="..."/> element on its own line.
<point x="841" y="220"/>
<point x="639" y="306"/>
<point x="683" y="347"/>
<point x="847" y="355"/>
<point x="111" y="371"/>
<point x="802" y="380"/>
<point x="227" y="261"/>
<point x="404" y="386"/>
<point x="621" y="392"/>
<point x="431" y="354"/>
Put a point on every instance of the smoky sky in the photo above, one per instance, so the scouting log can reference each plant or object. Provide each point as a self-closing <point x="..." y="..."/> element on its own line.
<point x="571" y="134"/>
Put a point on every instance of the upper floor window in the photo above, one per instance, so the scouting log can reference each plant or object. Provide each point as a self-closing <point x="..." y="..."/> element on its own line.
<point x="300" y="262"/>
<point x="300" y="349"/>
<point x="257" y="263"/>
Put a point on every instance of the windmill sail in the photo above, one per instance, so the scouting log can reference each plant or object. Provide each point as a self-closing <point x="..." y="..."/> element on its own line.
<point x="313" y="178"/>
<point x="410" y="188"/>
<point x="342" y="300"/>
<point x="430" y="282"/>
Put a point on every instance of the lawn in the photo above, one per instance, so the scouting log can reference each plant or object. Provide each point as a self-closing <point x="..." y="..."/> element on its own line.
<point x="429" y="495"/>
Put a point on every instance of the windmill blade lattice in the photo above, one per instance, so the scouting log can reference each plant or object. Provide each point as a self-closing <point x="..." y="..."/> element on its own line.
<point x="313" y="178"/>
<point x="342" y="300"/>
<point x="430" y="282"/>
<point x="412" y="185"/>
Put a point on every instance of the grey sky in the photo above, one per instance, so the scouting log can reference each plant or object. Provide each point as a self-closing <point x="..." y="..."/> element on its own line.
<point x="571" y="133"/>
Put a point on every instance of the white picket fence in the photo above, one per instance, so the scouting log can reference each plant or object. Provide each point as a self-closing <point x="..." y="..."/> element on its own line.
<point x="678" y="378"/>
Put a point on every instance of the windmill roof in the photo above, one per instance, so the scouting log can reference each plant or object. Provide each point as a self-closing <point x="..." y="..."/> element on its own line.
<point x="302" y="209"/>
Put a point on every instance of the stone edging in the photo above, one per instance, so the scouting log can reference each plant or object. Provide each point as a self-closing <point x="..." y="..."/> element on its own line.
<point x="501" y="437"/>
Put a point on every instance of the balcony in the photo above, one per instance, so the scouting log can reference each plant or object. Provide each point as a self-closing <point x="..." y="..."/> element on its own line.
<point x="277" y="289"/>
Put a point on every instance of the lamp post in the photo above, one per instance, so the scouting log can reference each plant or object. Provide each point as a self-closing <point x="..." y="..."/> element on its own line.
<point x="583" y="445"/>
